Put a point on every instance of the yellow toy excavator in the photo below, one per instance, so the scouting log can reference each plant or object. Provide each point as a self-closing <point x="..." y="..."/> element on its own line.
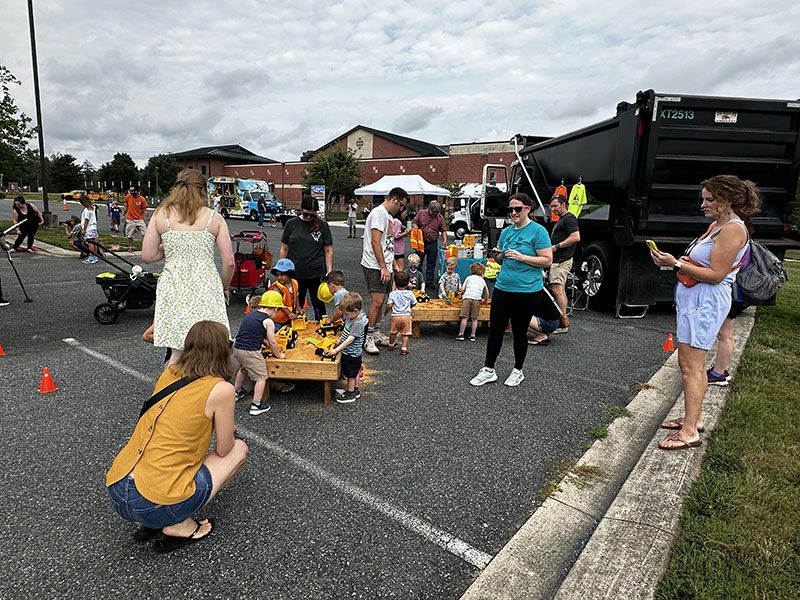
<point x="421" y="296"/>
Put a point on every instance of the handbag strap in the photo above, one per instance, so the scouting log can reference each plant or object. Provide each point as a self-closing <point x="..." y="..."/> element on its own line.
<point x="164" y="392"/>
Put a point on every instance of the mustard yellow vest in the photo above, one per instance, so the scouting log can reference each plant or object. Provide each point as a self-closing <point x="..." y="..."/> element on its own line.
<point x="169" y="443"/>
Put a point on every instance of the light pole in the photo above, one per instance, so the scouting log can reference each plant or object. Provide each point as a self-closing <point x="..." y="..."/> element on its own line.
<point x="39" y="127"/>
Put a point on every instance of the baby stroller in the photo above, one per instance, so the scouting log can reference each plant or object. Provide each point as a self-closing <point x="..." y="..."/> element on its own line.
<point x="252" y="261"/>
<point x="123" y="290"/>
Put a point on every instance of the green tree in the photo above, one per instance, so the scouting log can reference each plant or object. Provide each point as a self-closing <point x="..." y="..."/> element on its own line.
<point x="15" y="130"/>
<point x="338" y="169"/>
<point x="64" y="173"/>
<point x="454" y="187"/>
<point x="168" y="169"/>
<point x="119" y="173"/>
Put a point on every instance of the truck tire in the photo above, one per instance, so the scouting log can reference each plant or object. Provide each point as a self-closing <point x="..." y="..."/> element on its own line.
<point x="459" y="231"/>
<point x="595" y="273"/>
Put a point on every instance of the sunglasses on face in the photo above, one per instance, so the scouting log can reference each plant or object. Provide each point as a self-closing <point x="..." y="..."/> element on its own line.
<point x="515" y="209"/>
<point x="309" y="215"/>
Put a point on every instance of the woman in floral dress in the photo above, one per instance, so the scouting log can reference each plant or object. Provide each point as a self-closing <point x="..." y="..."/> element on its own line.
<point x="184" y="232"/>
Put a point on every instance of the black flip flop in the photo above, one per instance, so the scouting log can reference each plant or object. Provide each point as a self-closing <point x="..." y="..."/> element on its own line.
<point x="170" y="542"/>
<point x="142" y="534"/>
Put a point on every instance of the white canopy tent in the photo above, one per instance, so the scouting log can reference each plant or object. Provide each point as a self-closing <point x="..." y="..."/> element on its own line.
<point x="414" y="185"/>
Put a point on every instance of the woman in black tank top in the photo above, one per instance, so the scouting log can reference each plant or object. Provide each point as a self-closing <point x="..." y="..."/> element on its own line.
<point x="24" y="210"/>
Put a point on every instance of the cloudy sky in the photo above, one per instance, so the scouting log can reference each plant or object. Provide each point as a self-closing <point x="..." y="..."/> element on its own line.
<point x="280" y="78"/>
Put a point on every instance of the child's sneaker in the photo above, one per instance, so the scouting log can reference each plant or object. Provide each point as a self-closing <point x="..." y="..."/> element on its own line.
<point x="348" y="397"/>
<point x="391" y="346"/>
<point x="485" y="375"/>
<point x="240" y="395"/>
<point x="472" y="338"/>
<point x="370" y="347"/>
<point x="460" y="337"/>
<point x="720" y="379"/>
<point x="257" y="409"/>
<point x="404" y="351"/>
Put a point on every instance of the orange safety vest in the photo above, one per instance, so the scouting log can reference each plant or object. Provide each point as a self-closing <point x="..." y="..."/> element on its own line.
<point x="417" y="242"/>
<point x="289" y="293"/>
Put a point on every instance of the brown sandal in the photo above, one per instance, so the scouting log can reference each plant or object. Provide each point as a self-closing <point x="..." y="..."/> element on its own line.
<point x="683" y="444"/>
<point x="677" y="424"/>
<point x="535" y="342"/>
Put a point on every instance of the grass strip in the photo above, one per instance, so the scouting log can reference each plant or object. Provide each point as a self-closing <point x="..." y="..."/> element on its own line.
<point x="56" y="237"/>
<point x="740" y="526"/>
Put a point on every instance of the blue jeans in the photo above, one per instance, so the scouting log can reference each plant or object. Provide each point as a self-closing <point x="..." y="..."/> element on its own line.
<point x="261" y="219"/>
<point x="129" y="504"/>
<point x="431" y="253"/>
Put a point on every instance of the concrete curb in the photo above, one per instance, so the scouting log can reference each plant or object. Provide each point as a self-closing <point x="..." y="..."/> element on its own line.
<point x="51" y="250"/>
<point x="629" y="551"/>
<point x="540" y="559"/>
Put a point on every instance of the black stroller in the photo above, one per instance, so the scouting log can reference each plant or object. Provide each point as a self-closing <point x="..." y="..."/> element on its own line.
<point x="124" y="290"/>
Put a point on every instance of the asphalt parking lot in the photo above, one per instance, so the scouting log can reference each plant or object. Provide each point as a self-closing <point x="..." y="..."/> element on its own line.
<point x="406" y="493"/>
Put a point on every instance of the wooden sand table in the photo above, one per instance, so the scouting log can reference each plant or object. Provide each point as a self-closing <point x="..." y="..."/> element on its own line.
<point x="439" y="311"/>
<point x="301" y="364"/>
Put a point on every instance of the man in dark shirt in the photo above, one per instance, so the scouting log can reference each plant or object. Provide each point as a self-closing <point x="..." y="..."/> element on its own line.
<point x="431" y="222"/>
<point x="564" y="236"/>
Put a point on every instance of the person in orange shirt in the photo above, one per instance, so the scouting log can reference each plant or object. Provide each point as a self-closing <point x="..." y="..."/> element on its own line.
<point x="135" y="214"/>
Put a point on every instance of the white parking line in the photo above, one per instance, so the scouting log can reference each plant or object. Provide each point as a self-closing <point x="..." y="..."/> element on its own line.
<point x="428" y="531"/>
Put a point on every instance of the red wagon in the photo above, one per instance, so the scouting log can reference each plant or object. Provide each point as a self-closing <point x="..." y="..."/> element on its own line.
<point x="252" y="261"/>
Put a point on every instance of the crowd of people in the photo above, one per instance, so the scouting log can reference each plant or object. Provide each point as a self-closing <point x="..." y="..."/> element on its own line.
<point x="165" y="473"/>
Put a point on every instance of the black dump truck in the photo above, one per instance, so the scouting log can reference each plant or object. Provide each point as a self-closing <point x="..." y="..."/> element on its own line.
<point x="641" y="170"/>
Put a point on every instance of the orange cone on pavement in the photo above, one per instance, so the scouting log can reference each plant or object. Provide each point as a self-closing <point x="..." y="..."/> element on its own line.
<point x="47" y="384"/>
<point x="64" y="205"/>
<point x="2" y="352"/>
<point x="668" y="345"/>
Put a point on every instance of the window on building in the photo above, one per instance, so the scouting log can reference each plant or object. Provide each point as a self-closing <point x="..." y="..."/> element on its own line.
<point x="203" y="169"/>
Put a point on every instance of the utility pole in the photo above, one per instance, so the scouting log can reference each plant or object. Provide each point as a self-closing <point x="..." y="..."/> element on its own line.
<point x="49" y="220"/>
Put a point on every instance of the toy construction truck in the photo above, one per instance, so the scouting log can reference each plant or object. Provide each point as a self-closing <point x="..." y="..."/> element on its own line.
<point x="421" y="296"/>
<point x="325" y="328"/>
<point x="326" y="343"/>
<point x="286" y="337"/>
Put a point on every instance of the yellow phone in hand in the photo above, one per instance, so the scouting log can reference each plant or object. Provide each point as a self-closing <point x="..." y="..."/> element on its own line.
<point x="652" y="245"/>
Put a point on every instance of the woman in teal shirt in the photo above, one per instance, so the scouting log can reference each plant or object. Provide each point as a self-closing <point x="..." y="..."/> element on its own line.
<point x="524" y="250"/>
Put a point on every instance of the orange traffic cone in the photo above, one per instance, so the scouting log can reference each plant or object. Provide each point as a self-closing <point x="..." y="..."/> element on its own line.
<point x="64" y="205"/>
<point x="306" y="303"/>
<point x="246" y="308"/>
<point x="361" y="373"/>
<point x="47" y="384"/>
<point x="668" y="345"/>
<point x="2" y="352"/>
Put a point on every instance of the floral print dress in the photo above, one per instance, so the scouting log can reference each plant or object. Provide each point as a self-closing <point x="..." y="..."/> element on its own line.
<point x="189" y="289"/>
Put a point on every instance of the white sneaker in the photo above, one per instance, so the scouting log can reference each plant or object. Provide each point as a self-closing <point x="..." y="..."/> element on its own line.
<point x="514" y="378"/>
<point x="380" y="338"/>
<point x="370" y="347"/>
<point x="485" y="375"/>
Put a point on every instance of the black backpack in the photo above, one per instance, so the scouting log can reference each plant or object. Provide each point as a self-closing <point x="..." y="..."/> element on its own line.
<point x="764" y="275"/>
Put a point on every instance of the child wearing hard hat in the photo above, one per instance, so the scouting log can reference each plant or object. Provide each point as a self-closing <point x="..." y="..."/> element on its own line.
<point x="287" y="287"/>
<point x="256" y="328"/>
<point x="331" y="291"/>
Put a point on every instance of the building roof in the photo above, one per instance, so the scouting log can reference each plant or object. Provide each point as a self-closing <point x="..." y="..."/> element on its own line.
<point x="423" y="148"/>
<point x="233" y="152"/>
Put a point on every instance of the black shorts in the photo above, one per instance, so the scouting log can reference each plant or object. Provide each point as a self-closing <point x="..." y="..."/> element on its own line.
<point x="351" y="366"/>
<point x="737" y="308"/>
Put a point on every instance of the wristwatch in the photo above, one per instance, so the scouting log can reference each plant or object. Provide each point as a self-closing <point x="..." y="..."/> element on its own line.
<point x="677" y="266"/>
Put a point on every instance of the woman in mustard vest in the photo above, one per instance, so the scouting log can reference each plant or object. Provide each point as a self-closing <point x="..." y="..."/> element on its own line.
<point x="165" y="473"/>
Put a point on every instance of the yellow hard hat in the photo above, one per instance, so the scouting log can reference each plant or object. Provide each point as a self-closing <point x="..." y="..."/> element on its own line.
<point x="324" y="292"/>
<point x="272" y="299"/>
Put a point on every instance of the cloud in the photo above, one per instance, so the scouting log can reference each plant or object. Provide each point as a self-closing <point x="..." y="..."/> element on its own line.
<point x="416" y="118"/>
<point x="155" y="76"/>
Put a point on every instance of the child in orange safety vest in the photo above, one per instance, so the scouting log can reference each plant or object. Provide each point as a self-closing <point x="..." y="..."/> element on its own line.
<point x="288" y="288"/>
